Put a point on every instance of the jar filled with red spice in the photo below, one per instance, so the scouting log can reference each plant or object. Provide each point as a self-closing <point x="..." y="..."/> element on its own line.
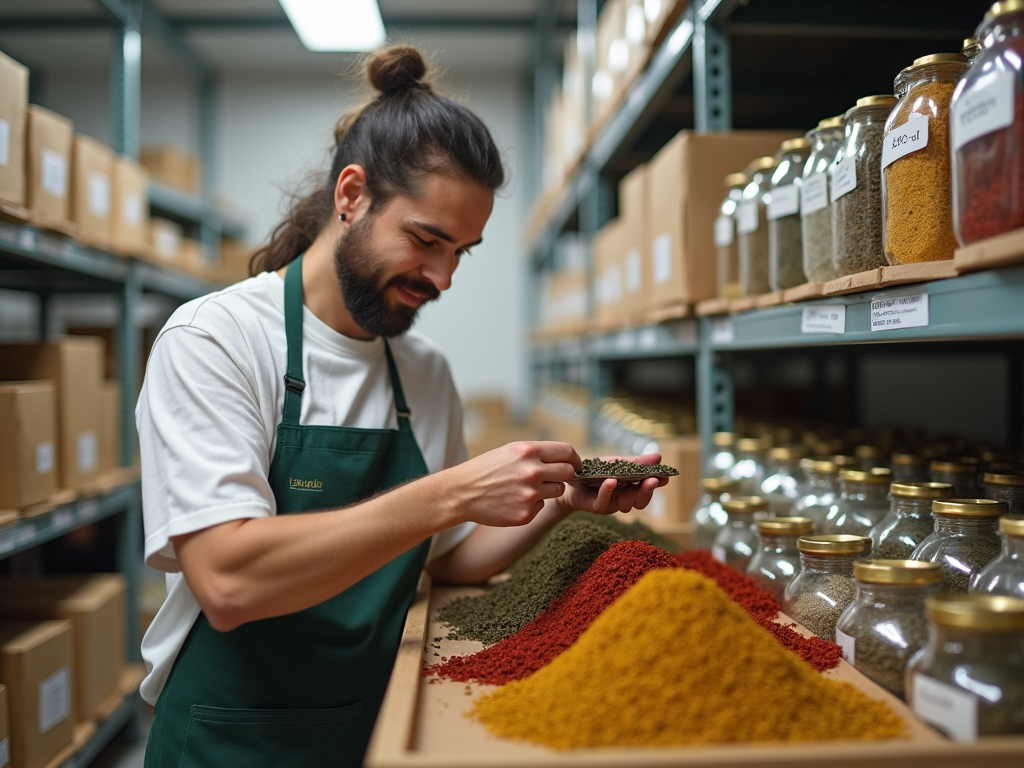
<point x="987" y="126"/>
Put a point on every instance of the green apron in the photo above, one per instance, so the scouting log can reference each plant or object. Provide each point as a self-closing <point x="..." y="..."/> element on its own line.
<point x="303" y="689"/>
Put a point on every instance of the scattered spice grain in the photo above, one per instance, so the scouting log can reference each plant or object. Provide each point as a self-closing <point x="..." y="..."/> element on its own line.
<point x="592" y="467"/>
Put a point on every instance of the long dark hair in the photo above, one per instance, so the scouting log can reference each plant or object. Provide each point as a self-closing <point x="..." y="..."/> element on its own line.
<point x="406" y="132"/>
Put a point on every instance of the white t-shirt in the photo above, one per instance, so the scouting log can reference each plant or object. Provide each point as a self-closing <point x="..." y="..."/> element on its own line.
<point x="208" y="413"/>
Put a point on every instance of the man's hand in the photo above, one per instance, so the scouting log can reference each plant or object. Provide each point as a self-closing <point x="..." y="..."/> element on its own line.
<point x="611" y="497"/>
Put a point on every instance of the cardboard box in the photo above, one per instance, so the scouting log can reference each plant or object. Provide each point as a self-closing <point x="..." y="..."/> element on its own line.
<point x="49" y="168"/>
<point x="94" y="604"/>
<point x="5" y="728"/>
<point x="165" y="240"/>
<point x="191" y="259"/>
<point x="169" y="164"/>
<point x="633" y="205"/>
<point x="110" y="425"/>
<point x="681" y="212"/>
<point x="129" y="233"/>
<point x="234" y="260"/>
<point x="91" y="193"/>
<point x="676" y="501"/>
<point x="608" y="274"/>
<point x="13" y="119"/>
<point x="36" y="666"/>
<point x="28" y="450"/>
<point x="612" y="59"/>
<point x="75" y="366"/>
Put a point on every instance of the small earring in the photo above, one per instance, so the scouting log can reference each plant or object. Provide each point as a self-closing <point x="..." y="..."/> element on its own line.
<point x="341" y="217"/>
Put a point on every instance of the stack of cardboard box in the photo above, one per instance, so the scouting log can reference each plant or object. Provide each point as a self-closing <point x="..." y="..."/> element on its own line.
<point x="169" y="164"/>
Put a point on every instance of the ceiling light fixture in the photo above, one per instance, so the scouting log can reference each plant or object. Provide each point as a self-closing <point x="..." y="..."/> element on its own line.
<point x="336" y="25"/>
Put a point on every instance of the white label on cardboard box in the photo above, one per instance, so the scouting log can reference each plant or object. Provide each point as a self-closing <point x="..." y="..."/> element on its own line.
<point x="53" y="173"/>
<point x="88" y="452"/>
<point x="722" y="330"/>
<point x="987" y="106"/>
<point x="44" y="458"/>
<point x="647" y="338"/>
<point x="813" y="193"/>
<point x="746" y="217"/>
<point x="909" y="137"/>
<point x="891" y="311"/>
<point x="724" y="231"/>
<point x="662" y="258"/>
<point x="785" y="201"/>
<point x="131" y="210"/>
<point x="844" y="177"/>
<point x="633" y="271"/>
<point x="5" y="752"/>
<point x="847" y="645"/>
<point x="824" y="318"/>
<point x="54" y="699"/>
<point x="718" y="552"/>
<point x="5" y="153"/>
<point x="952" y="710"/>
<point x="99" y="194"/>
<point x="165" y="243"/>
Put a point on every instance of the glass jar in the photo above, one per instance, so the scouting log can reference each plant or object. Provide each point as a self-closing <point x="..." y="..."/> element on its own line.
<point x="909" y="521"/>
<point x="968" y="679"/>
<point x="863" y="501"/>
<point x="723" y="455"/>
<point x="869" y="456"/>
<point x="785" y="242"/>
<point x="1005" y="487"/>
<point x="777" y="559"/>
<point x="962" y="474"/>
<point x="752" y="228"/>
<point x="964" y="541"/>
<point x="971" y="49"/>
<point x="709" y="517"/>
<point x="856" y="187"/>
<point x="824" y="585"/>
<point x="908" y="468"/>
<point x="917" y="207"/>
<point x="726" y="247"/>
<point x="1005" y="574"/>
<point x="884" y="625"/>
<point x="785" y="480"/>
<point x="736" y="542"/>
<point x="988" y="148"/>
<point x="749" y="469"/>
<point x="820" y="491"/>
<point x="815" y="211"/>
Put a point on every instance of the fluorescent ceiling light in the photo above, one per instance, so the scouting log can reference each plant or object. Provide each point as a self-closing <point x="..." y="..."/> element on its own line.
<point x="336" y="25"/>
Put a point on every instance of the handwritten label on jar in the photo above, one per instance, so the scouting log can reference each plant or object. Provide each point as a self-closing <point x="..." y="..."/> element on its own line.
<point x="662" y="252"/>
<point x="987" y="106"/>
<point x="824" y="318"/>
<point x="813" y="193"/>
<point x="909" y="137"/>
<point x="890" y="311"/>
<point x="746" y="217"/>
<point x="847" y="645"/>
<point x="718" y="552"/>
<point x="844" y="177"/>
<point x="785" y="201"/>
<point x="723" y="231"/>
<point x="952" y="710"/>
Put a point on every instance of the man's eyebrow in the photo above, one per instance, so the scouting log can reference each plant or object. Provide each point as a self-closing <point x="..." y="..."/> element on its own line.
<point x="438" y="232"/>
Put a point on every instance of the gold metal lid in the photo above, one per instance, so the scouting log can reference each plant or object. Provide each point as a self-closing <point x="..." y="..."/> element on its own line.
<point x="745" y="505"/>
<point x="970" y="507"/>
<point x="921" y="490"/>
<point x="971" y="41"/>
<point x="834" y="544"/>
<point x="910" y="572"/>
<point x="907" y="459"/>
<point x="790" y="144"/>
<point x="736" y="180"/>
<point x="787" y="453"/>
<point x="750" y="444"/>
<point x="818" y="466"/>
<point x="761" y="164"/>
<point x="867" y="452"/>
<point x="938" y="58"/>
<point x="875" y="476"/>
<point x="953" y="467"/>
<point x="985" y="613"/>
<point x="723" y="438"/>
<point x="1003" y="479"/>
<point x="999" y="9"/>
<point x="785" y="526"/>
<point x="842" y="460"/>
<point x="831" y="122"/>
<point x="1012" y="525"/>
<point x="876" y="101"/>
<point x="719" y="484"/>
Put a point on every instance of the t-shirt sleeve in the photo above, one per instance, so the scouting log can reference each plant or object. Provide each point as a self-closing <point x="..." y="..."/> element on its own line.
<point x="204" y="447"/>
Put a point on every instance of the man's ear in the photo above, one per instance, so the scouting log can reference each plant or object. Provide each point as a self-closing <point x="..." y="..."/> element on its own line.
<point x="350" y="194"/>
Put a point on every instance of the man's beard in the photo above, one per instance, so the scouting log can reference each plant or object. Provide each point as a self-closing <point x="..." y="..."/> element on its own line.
<point x="359" y="275"/>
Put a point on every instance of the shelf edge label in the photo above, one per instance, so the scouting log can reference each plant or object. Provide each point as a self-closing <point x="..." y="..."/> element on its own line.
<point x="823" y="318"/>
<point x="893" y="311"/>
<point x="722" y="331"/>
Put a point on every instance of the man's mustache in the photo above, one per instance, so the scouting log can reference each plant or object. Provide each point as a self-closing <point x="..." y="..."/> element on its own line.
<point x="421" y="287"/>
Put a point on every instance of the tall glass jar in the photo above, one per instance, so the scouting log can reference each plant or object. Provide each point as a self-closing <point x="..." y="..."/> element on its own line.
<point x="870" y="456"/>
<point x="752" y="228"/>
<point x="968" y="679"/>
<point x="749" y="469"/>
<point x="908" y="467"/>
<point x="723" y="455"/>
<point x="824" y="585"/>
<point x="820" y="492"/>
<point x="736" y="542"/>
<point x="917" y="220"/>
<point x="863" y="501"/>
<point x="709" y="517"/>
<point x="785" y="480"/>
<point x="1005" y="486"/>
<point x="785" y="242"/>
<point x="777" y="559"/>
<point x="988" y="131"/>
<point x="856" y="188"/>
<point x="909" y="521"/>
<point x="971" y="49"/>
<point x="965" y="540"/>
<point x="963" y="474"/>
<point x="1005" y="574"/>
<point x="815" y="213"/>
<point x="884" y="626"/>
<point x="726" y="247"/>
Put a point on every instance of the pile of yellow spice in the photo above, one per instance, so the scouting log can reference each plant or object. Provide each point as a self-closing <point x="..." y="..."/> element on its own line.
<point x="675" y="662"/>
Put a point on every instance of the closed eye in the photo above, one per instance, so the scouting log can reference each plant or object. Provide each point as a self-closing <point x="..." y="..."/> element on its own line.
<point x="422" y="242"/>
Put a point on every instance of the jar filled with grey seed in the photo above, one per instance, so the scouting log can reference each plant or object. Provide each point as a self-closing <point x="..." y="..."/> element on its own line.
<point x="1005" y="486"/>
<point x="736" y="542"/>
<point x="963" y="474"/>
<point x="965" y="540"/>
<point x="908" y="467"/>
<point x="752" y="228"/>
<point x="1005" y="574"/>
<point x="824" y="587"/>
<point x="863" y="501"/>
<point x="909" y="521"/>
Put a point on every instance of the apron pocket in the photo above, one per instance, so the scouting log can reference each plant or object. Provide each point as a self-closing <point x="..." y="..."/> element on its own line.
<point x="272" y="738"/>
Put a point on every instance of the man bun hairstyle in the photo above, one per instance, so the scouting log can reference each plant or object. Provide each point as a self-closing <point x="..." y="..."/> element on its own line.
<point x="406" y="132"/>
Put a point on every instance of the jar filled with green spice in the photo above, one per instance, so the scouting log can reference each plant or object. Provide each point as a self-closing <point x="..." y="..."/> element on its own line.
<point x="909" y="521"/>
<point x="963" y="474"/>
<point x="750" y="468"/>
<point x="884" y="625"/>
<point x="965" y="539"/>
<point x="736" y="542"/>
<point x="723" y="455"/>
<point x="863" y="501"/>
<point x="777" y="559"/>
<point x="785" y="241"/>
<point x="824" y="586"/>
<point x="815" y="205"/>
<point x="709" y="517"/>
<point x="908" y="467"/>
<point x="1005" y="574"/>
<point x="1005" y="486"/>
<point x="752" y="228"/>
<point x="820" y="491"/>
<point x="785" y="480"/>
<point x="726" y="246"/>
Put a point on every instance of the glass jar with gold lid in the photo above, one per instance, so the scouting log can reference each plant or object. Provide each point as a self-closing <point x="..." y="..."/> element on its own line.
<point x="963" y="474"/>
<point x="723" y="455"/>
<point x="863" y="501"/>
<point x="971" y="49"/>
<point x="820" y="491"/>
<point x="749" y="469"/>
<point x="752" y="227"/>
<point x="726" y="247"/>
<point x="824" y="585"/>
<point x="870" y="456"/>
<point x="1005" y="574"/>
<point x="908" y="467"/>
<point x="785" y="480"/>
<point x="968" y="678"/>
<point x="736" y="541"/>
<point x="884" y="625"/>
<point x="709" y="517"/>
<point x="909" y="520"/>
<point x="777" y="559"/>
<point x="1005" y="486"/>
<point x="964" y="541"/>
<point x="815" y="213"/>
<point x="785" y="242"/>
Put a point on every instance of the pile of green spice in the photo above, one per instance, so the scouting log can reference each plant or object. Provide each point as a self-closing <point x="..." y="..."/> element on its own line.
<point x="599" y="467"/>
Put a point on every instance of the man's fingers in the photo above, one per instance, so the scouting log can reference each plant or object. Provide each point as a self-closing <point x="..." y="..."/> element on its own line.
<point x="604" y="495"/>
<point x="551" y="490"/>
<point x="647" y="458"/>
<point x="643" y="498"/>
<point x="557" y="472"/>
<point x="554" y="452"/>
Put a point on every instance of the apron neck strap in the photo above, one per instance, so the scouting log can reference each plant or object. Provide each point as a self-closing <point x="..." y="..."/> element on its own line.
<point x="396" y="386"/>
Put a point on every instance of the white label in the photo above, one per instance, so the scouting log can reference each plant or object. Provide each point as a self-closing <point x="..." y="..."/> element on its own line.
<point x="722" y="331"/>
<point x="5" y="159"/>
<point x="87" y="452"/>
<point x="99" y="194"/>
<point x="847" y="645"/>
<point x="746" y="217"/>
<point x="5" y="752"/>
<point x="813" y="193"/>
<point x="718" y="552"/>
<point x="986" y="107"/>
<point x="663" y="259"/>
<point x="54" y="699"/>
<point x="44" y="458"/>
<point x="6" y="540"/>
<point x="62" y="519"/>
<point x="53" y="173"/>
<point x="624" y="342"/>
<point x="844" y="177"/>
<point x="785" y="202"/>
<point x="909" y="137"/>
<point x="88" y="509"/>
<point x="907" y="311"/>
<point x="724" y="231"/>
<point x="647" y="338"/>
<point x="131" y="210"/>
<point x="824" y="318"/>
<point x="633" y="271"/>
<point x="952" y="710"/>
<point x="166" y="243"/>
